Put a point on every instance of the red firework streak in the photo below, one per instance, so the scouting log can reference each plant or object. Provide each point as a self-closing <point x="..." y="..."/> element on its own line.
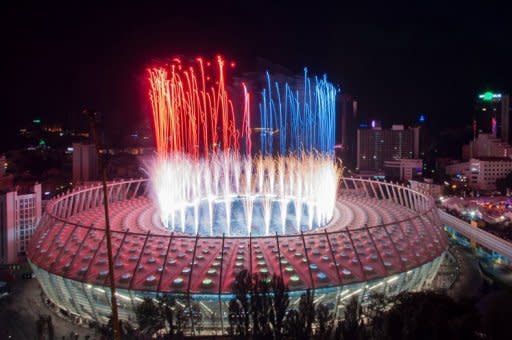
<point x="193" y="112"/>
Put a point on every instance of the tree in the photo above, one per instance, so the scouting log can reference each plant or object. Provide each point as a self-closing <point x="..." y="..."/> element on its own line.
<point x="293" y="327"/>
<point x="280" y="304"/>
<point x="299" y="323"/>
<point x="235" y="318"/>
<point x="149" y="317"/>
<point x="427" y="315"/>
<point x="324" y="319"/>
<point x="242" y="287"/>
<point x="351" y="327"/>
<point x="260" y="307"/>
<point x="375" y="313"/>
<point x="495" y="311"/>
<point x="307" y="311"/>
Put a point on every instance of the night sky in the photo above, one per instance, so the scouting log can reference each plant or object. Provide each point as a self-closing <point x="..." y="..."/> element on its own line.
<point x="397" y="60"/>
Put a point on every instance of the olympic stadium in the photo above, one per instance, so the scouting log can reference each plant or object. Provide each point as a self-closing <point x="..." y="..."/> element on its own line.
<point x="212" y="207"/>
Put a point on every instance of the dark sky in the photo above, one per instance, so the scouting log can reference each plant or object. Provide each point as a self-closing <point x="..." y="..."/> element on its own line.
<point x="398" y="60"/>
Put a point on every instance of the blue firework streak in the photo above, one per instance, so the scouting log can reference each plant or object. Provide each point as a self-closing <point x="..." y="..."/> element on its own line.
<point x="304" y="116"/>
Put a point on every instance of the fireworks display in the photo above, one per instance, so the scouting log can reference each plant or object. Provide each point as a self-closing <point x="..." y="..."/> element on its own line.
<point x="192" y="111"/>
<point x="206" y="178"/>
<point x="305" y="119"/>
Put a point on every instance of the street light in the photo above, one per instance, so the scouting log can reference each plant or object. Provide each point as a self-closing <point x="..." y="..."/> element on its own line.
<point x="93" y="121"/>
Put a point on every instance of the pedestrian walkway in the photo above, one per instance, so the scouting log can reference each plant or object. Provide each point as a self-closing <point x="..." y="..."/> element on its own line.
<point x="20" y="311"/>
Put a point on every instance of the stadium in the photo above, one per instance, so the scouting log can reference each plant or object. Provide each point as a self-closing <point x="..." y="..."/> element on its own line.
<point x="384" y="238"/>
<point x="207" y="212"/>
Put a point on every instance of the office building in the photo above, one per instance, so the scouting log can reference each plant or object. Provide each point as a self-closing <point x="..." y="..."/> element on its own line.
<point x="482" y="172"/>
<point x="427" y="186"/>
<point x="348" y="123"/>
<point x="20" y="212"/>
<point x="3" y="165"/>
<point x="85" y="163"/>
<point x="486" y="145"/>
<point x="492" y="116"/>
<point x="376" y="145"/>
<point x="403" y="169"/>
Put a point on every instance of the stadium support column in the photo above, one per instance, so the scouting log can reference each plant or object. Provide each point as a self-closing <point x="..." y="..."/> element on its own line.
<point x="333" y="255"/>
<point x="220" y="283"/>
<point x="121" y="244"/>
<point x="376" y="248"/>
<point x="357" y="254"/>
<point x="279" y="257"/>
<point x="193" y="263"/>
<point x="409" y="198"/>
<point x="383" y="195"/>
<point x="373" y="190"/>
<point x="336" y="267"/>
<point x="389" y="197"/>
<point x="395" y="248"/>
<point x="415" y="202"/>
<point x="136" y="190"/>
<point x="307" y="260"/>
<point x="250" y="254"/>
<point x="165" y="261"/>
<point x="139" y="259"/>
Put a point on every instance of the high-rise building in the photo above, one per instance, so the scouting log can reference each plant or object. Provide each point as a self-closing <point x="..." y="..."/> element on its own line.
<point x="375" y="146"/>
<point x="349" y="125"/>
<point x="85" y="163"/>
<point x="492" y="116"/>
<point x="19" y="214"/>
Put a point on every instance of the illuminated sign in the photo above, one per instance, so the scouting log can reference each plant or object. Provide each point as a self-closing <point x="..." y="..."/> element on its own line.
<point x="488" y="96"/>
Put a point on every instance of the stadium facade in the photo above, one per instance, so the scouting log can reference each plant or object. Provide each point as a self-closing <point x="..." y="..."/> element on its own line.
<point x="383" y="238"/>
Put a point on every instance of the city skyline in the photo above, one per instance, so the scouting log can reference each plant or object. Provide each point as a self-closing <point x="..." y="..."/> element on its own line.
<point x="398" y="63"/>
<point x="281" y="170"/>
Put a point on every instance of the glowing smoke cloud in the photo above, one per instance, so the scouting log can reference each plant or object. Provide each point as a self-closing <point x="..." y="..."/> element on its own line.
<point x="204" y="177"/>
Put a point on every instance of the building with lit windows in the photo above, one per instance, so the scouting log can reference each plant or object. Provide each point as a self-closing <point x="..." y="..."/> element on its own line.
<point x="482" y="172"/>
<point x="403" y="169"/>
<point x="376" y="146"/>
<point x="486" y="145"/>
<point x="348" y="126"/>
<point x="19" y="214"/>
<point x="85" y="163"/>
<point x="492" y="116"/>
<point x="427" y="185"/>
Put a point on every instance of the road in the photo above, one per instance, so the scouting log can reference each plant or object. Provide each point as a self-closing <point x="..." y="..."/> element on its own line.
<point x="20" y="311"/>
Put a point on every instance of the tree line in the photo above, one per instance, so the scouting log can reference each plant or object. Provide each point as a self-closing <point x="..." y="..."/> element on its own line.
<point x="261" y="308"/>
